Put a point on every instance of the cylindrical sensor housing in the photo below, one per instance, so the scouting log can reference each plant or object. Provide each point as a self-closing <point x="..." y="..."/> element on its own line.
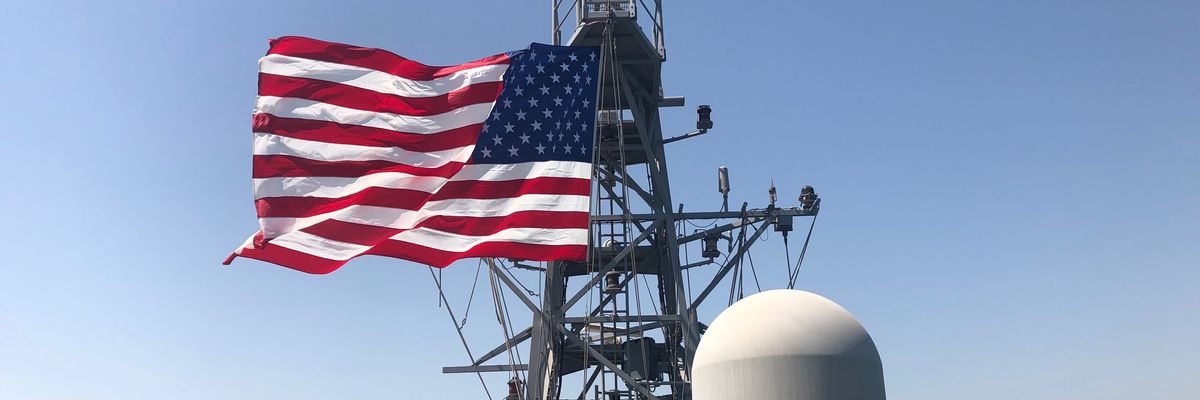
<point x="723" y="180"/>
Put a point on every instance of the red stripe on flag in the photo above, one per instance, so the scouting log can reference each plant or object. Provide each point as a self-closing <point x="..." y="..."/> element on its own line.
<point x="349" y="232"/>
<point x="369" y="100"/>
<point x="370" y="235"/>
<point x="407" y="199"/>
<point x="299" y="207"/>
<point x="513" y="188"/>
<point x="442" y="258"/>
<point x="276" y="166"/>
<point x="366" y="57"/>
<point x="305" y="262"/>
<point x="332" y="132"/>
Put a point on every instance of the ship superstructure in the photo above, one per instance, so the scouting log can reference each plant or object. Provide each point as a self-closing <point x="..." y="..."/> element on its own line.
<point x="623" y="324"/>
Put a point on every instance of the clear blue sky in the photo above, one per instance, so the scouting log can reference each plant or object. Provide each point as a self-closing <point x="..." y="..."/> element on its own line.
<point x="1011" y="192"/>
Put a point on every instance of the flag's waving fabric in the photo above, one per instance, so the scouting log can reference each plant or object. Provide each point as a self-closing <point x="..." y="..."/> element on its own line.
<point x="359" y="151"/>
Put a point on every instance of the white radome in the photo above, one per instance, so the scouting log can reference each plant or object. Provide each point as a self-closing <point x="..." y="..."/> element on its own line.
<point x="786" y="344"/>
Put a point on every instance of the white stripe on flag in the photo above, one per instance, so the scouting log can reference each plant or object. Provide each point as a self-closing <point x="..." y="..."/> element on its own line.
<point x="270" y="144"/>
<point x="325" y="186"/>
<point x="459" y="243"/>
<point x="319" y="246"/>
<point x="525" y="170"/>
<point x="333" y="187"/>
<point x="290" y="107"/>
<point x="382" y="82"/>
<point x="498" y="207"/>
<point x="406" y="219"/>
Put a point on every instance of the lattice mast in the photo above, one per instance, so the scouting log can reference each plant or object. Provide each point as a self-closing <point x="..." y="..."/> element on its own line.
<point x="622" y="325"/>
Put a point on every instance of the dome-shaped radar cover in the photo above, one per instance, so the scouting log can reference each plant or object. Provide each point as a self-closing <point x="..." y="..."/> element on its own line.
<point x="786" y="344"/>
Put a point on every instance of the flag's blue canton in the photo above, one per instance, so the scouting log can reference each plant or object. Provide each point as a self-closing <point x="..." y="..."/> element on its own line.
<point x="547" y="110"/>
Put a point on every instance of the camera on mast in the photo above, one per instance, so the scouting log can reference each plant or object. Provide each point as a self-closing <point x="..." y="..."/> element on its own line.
<point x="704" y="117"/>
<point x="809" y="198"/>
<point x="703" y="124"/>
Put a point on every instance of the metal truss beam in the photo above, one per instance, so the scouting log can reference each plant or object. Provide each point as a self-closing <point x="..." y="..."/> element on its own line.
<point x="733" y="262"/>
<point x="508" y="344"/>
<point x="630" y="381"/>
<point x="484" y="368"/>
<point x="611" y="264"/>
<point x="779" y="212"/>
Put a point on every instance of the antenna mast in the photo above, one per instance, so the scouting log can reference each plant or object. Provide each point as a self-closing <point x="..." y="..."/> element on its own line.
<point x="622" y="325"/>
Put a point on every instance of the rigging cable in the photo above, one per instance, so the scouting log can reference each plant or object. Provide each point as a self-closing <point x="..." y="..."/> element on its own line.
<point x="471" y="298"/>
<point x="594" y="257"/>
<point x="787" y="257"/>
<point x="698" y="226"/>
<point x="650" y="295"/>
<point x="527" y="290"/>
<point x="741" y="243"/>
<point x="753" y="271"/>
<point x="500" y="317"/>
<point x="687" y="261"/>
<point x="800" y="260"/>
<point x="736" y="264"/>
<point x="511" y="332"/>
<point x="612" y="46"/>
<point x="453" y="321"/>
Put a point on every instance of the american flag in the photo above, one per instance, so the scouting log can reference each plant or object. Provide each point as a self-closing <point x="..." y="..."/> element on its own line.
<point x="358" y="151"/>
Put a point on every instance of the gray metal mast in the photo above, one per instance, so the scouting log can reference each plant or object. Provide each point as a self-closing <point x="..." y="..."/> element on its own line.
<point x="622" y="325"/>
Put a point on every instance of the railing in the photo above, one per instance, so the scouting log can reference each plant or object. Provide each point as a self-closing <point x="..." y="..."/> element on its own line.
<point x="593" y="10"/>
<point x="600" y="9"/>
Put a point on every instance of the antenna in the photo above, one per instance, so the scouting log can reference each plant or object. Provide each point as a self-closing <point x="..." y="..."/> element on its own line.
<point x="771" y="196"/>
<point x="723" y="186"/>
